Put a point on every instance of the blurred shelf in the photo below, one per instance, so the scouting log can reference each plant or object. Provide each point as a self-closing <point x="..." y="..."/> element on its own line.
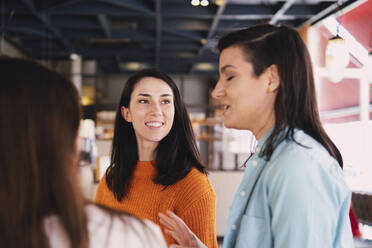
<point x="209" y="138"/>
<point x="207" y="122"/>
<point x="104" y="139"/>
<point x="102" y="122"/>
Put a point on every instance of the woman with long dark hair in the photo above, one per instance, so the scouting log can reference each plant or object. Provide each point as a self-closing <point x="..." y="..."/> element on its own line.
<point x="155" y="163"/>
<point x="41" y="202"/>
<point x="293" y="193"/>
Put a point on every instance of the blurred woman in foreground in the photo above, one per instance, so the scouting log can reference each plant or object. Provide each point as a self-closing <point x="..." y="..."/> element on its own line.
<point x="41" y="202"/>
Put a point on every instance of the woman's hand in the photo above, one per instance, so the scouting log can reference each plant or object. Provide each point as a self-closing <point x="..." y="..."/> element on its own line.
<point x="179" y="231"/>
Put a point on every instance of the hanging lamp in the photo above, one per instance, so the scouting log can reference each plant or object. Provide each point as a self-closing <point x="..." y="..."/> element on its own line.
<point x="337" y="58"/>
<point x="337" y="54"/>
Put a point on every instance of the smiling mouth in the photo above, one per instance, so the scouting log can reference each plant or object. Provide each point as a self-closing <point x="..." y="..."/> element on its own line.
<point x="154" y="124"/>
<point x="225" y="106"/>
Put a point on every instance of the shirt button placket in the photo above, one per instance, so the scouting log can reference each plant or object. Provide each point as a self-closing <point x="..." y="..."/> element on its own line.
<point x="254" y="163"/>
<point x="258" y="149"/>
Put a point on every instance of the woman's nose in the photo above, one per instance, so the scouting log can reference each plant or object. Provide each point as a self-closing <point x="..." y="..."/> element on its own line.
<point x="156" y="109"/>
<point x="218" y="91"/>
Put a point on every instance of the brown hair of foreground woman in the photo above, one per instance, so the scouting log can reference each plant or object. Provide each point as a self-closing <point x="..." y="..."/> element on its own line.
<point x="41" y="202"/>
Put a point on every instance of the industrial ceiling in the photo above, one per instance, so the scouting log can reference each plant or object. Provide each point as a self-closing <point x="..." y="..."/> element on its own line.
<point x="125" y="35"/>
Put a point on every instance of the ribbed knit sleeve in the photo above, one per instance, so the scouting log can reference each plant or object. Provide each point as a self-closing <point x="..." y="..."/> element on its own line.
<point x="197" y="207"/>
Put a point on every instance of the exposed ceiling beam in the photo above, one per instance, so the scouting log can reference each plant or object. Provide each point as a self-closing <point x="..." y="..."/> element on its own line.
<point x="259" y="17"/>
<point x="216" y="20"/>
<point x="129" y="35"/>
<point x="28" y="31"/>
<point x="307" y="9"/>
<point x="213" y="28"/>
<point x="96" y="8"/>
<point x="46" y="22"/>
<point x="173" y="45"/>
<point x="189" y="16"/>
<point x="105" y="25"/>
<point x="178" y="10"/>
<point x="129" y="4"/>
<point x="83" y="22"/>
<point x="158" y="32"/>
<point x="322" y="14"/>
<point x="280" y="13"/>
<point x="106" y="28"/>
<point x="60" y="5"/>
<point x="251" y="9"/>
<point x="112" y="52"/>
<point x="184" y="34"/>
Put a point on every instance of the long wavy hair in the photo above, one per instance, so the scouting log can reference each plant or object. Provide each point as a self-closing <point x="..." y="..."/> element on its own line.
<point x="38" y="129"/>
<point x="176" y="153"/>
<point x="295" y="104"/>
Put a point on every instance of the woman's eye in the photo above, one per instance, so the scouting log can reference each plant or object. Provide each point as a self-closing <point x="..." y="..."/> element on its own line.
<point x="143" y="101"/>
<point x="229" y="78"/>
<point x="166" y="101"/>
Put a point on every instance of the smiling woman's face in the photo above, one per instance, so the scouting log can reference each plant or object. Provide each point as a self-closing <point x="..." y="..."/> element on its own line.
<point x="247" y="100"/>
<point x="151" y="110"/>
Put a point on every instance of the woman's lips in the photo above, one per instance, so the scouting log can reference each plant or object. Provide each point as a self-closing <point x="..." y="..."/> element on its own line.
<point x="154" y="124"/>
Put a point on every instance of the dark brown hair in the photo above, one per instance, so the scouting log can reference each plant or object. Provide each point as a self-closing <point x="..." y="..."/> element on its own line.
<point x="295" y="104"/>
<point x="38" y="129"/>
<point x="176" y="153"/>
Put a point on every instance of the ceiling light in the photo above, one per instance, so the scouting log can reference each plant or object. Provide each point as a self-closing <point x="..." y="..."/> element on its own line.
<point x="132" y="66"/>
<point x="186" y="55"/>
<point x="74" y="56"/>
<point x="218" y="2"/>
<point x="195" y="2"/>
<point x="205" y="67"/>
<point x="204" y="3"/>
<point x="337" y="58"/>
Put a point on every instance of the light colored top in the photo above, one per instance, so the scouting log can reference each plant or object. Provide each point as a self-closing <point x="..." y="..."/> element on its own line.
<point x="299" y="200"/>
<point x="192" y="199"/>
<point x="109" y="232"/>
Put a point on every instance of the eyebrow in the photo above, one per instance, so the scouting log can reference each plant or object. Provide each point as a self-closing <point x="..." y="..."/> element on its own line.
<point x="148" y="95"/>
<point x="223" y="69"/>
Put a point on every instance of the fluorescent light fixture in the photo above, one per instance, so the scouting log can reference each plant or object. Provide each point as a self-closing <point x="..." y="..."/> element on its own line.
<point x="205" y="67"/>
<point x="132" y="66"/>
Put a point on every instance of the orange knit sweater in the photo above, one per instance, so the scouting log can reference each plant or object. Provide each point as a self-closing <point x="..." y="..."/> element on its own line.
<point x="192" y="199"/>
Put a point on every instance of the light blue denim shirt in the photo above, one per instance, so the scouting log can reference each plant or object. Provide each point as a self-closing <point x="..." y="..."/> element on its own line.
<point x="298" y="199"/>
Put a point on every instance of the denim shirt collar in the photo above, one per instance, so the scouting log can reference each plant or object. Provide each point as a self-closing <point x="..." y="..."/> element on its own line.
<point x="261" y="142"/>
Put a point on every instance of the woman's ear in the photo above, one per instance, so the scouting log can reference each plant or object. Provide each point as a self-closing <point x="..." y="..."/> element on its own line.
<point x="126" y="114"/>
<point x="274" y="79"/>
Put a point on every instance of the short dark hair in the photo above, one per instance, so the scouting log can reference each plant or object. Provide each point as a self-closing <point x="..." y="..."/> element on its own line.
<point x="176" y="153"/>
<point x="295" y="104"/>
